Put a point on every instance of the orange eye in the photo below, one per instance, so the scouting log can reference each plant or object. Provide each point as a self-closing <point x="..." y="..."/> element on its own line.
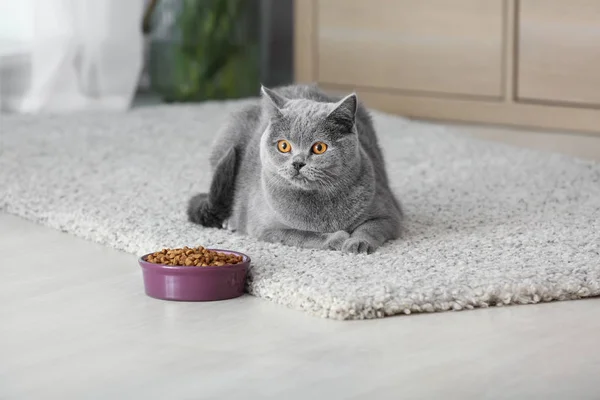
<point x="284" y="146"/>
<point x="319" y="148"/>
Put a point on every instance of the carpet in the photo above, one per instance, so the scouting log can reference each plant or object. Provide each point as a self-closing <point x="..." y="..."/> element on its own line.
<point x="486" y="224"/>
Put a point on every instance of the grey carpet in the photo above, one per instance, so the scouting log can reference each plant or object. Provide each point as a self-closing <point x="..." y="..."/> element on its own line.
<point x="487" y="224"/>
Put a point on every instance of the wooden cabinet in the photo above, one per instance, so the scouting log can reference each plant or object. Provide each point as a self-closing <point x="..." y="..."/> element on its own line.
<point x="519" y="62"/>
<point x="559" y="52"/>
<point x="436" y="46"/>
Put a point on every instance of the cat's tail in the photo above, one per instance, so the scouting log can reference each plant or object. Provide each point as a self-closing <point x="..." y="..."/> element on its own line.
<point x="213" y="208"/>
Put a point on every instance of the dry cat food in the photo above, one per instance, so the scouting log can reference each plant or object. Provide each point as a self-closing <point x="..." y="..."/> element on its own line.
<point x="193" y="257"/>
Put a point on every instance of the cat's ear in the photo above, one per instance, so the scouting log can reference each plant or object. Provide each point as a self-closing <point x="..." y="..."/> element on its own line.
<point x="272" y="102"/>
<point x="344" y="111"/>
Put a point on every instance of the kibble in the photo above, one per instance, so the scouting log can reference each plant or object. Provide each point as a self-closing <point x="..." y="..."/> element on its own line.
<point x="193" y="257"/>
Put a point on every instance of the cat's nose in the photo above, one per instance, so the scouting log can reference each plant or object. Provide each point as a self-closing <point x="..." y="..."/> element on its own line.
<point x="298" y="165"/>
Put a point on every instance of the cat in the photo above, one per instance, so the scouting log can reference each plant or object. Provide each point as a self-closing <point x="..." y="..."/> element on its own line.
<point x="304" y="169"/>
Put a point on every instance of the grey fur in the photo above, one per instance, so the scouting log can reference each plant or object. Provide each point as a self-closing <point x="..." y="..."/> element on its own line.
<point x="213" y="208"/>
<point x="337" y="200"/>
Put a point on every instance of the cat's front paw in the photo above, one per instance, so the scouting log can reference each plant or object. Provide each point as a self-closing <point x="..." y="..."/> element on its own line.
<point x="336" y="240"/>
<point x="358" y="246"/>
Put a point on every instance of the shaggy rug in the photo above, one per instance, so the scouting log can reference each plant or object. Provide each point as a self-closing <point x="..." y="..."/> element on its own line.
<point x="487" y="224"/>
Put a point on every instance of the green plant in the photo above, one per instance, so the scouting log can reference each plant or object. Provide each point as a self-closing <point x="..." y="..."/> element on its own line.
<point x="216" y="55"/>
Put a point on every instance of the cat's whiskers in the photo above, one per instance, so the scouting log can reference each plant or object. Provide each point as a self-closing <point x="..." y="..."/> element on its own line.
<point x="324" y="180"/>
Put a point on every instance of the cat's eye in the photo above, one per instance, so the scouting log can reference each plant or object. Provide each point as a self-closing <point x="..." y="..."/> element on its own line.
<point x="284" y="146"/>
<point x="319" y="148"/>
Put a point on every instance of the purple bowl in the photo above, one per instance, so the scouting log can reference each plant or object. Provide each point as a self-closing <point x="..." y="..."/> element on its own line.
<point x="168" y="282"/>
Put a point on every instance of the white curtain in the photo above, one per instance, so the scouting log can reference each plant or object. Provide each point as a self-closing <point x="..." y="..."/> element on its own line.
<point x="69" y="55"/>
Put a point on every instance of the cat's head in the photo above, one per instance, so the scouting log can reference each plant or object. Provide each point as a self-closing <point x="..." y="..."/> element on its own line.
<point x="310" y="144"/>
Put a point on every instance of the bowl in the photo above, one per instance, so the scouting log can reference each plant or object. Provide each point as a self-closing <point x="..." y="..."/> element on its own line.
<point x="180" y="283"/>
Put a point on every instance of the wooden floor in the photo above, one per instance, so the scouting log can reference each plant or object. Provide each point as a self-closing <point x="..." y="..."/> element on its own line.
<point x="75" y="324"/>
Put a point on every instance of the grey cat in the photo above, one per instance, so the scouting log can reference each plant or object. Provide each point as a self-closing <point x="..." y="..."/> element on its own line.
<point x="303" y="169"/>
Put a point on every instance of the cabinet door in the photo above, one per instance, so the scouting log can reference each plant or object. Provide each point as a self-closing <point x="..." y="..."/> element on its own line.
<point x="437" y="46"/>
<point x="559" y="51"/>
